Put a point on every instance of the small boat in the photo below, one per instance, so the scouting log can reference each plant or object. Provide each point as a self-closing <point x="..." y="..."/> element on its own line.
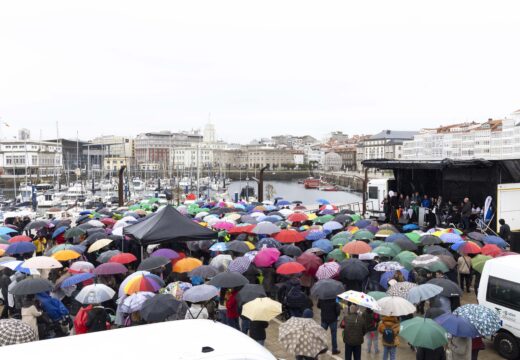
<point x="312" y="183"/>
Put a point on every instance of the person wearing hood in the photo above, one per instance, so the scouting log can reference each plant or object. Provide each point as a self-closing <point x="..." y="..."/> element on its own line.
<point x="30" y="314"/>
<point x="97" y="319"/>
<point x="354" y="333"/>
<point x="389" y="330"/>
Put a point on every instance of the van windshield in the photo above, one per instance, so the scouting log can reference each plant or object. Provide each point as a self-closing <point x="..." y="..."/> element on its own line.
<point x="503" y="292"/>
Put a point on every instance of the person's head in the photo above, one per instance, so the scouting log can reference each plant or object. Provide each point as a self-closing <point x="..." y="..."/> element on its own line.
<point x="426" y="196"/>
<point x="308" y="314"/>
<point x="466" y="200"/>
<point x="502" y="222"/>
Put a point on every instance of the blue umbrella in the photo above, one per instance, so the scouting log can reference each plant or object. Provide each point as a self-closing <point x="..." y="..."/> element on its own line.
<point x="283" y="203"/>
<point x="272" y="218"/>
<point x="457" y="245"/>
<point x="410" y="227"/>
<point x="20" y="248"/>
<point x="282" y="260"/>
<point x="451" y="238"/>
<point x="220" y="246"/>
<point x="485" y="320"/>
<point x="59" y="231"/>
<point x="323" y="201"/>
<point x="394" y="237"/>
<point x="82" y="218"/>
<point x="496" y="240"/>
<point x="316" y="235"/>
<point x="85" y="212"/>
<point x="76" y="279"/>
<point x="332" y="225"/>
<point x="323" y="244"/>
<point x="457" y="325"/>
<point x="390" y="274"/>
<point x="362" y="223"/>
<point x="6" y="230"/>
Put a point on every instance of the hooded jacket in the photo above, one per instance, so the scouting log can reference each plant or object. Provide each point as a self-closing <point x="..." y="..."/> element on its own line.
<point x="393" y="323"/>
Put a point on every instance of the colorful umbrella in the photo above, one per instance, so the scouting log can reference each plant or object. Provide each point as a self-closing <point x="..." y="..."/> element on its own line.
<point x="457" y="325"/>
<point x="328" y="270"/>
<point x="186" y="265"/>
<point x="19" y="238"/>
<point x="388" y="266"/>
<point x="289" y="236"/>
<point x="311" y="262"/>
<point x="123" y="258"/>
<point x="496" y="240"/>
<point x="266" y="257"/>
<point x="167" y="253"/>
<point x="405" y="258"/>
<point x="357" y="247"/>
<point x="401" y="289"/>
<point x="478" y="262"/>
<point x="491" y="250"/>
<point x="361" y="299"/>
<point x="142" y="283"/>
<point x="66" y="255"/>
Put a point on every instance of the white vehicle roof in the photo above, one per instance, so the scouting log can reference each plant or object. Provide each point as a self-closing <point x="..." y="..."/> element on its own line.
<point x="378" y="181"/>
<point x="182" y="339"/>
<point x="506" y="267"/>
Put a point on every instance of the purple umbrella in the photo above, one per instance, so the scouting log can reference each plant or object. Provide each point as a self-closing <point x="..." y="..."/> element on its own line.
<point x="110" y="269"/>
<point x="167" y="253"/>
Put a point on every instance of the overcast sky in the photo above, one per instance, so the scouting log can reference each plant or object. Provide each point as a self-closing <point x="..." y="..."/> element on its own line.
<point x="261" y="68"/>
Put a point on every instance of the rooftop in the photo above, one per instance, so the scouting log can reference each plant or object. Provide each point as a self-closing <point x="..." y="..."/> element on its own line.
<point x="394" y="135"/>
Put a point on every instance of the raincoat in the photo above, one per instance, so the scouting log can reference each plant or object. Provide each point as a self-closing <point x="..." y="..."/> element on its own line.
<point x="52" y="307"/>
<point x="393" y="323"/>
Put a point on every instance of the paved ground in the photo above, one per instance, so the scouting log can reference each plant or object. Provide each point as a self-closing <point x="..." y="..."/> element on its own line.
<point x="403" y="353"/>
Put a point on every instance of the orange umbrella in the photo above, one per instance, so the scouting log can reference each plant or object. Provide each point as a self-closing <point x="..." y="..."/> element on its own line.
<point x="186" y="265"/>
<point x="356" y="248"/>
<point x="66" y="255"/>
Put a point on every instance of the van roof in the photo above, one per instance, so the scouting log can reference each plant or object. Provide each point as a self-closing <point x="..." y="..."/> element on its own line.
<point x="182" y="339"/>
<point x="505" y="262"/>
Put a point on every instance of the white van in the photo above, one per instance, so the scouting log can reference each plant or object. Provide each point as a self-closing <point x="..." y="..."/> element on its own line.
<point x="377" y="191"/>
<point x="500" y="289"/>
<point x="179" y="340"/>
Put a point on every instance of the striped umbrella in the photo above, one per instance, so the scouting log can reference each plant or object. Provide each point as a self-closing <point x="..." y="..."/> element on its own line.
<point x="239" y="264"/>
<point x="328" y="270"/>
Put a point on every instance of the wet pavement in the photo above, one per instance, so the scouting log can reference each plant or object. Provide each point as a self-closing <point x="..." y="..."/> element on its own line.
<point x="404" y="351"/>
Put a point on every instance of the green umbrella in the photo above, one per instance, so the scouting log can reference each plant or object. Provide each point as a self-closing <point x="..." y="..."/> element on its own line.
<point x="134" y="207"/>
<point x="425" y="333"/>
<point x="477" y="263"/>
<point x="76" y="231"/>
<point x="363" y="235"/>
<point x="343" y="235"/>
<point x="376" y="243"/>
<point x="378" y="295"/>
<point x="405" y="258"/>
<point x="355" y="217"/>
<point x="384" y="250"/>
<point x="337" y="255"/>
<point x="414" y="237"/>
<point x="341" y="241"/>
<point x="323" y="219"/>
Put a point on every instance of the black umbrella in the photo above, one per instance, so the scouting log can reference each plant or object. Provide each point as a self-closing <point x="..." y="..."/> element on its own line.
<point x="250" y="292"/>
<point x="436" y="250"/>
<point x="430" y="240"/>
<point x="204" y="271"/>
<point x="449" y="288"/>
<point x="291" y="250"/>
<point x="353" y="269"/>
<point x="31" y="286"/>
<point x="36" y="224"/>
<point x="229" y="280"/>
<point x="153" y="262"/>
<point x="85" y="226"/>
<point x="220" y="211"/>
<point x="91" y="239"/>
<point x="327" y="289"/>
<point x="406" y="244"/>
<point x="95" y="230"/>
<point x="201" y="245"/>
<point x="64" y="222"/>
<point x="238" y="247"/>
<point x="343" y="218"/>
<point x="276" y="213"/>
<point x="246" y="219"/>
<point x="477" y="236"/>
<point x="433" y="313"/>
<point x="269" y="243"/>
<point x="241" y="237"/>
<point x="162" y="307"/>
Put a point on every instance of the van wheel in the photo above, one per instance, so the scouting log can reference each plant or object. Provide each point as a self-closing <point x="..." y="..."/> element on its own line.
<point x="507" y="346"/>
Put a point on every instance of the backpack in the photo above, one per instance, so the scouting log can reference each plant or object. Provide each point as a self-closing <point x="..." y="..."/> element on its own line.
<point x="296" y="298"/>
<point x="388" y="335"/>
<point x="80" y="320"/>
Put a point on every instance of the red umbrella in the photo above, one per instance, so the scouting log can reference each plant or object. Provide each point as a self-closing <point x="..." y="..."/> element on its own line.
<point x="289" y="236"/>
<point x="311" y="263"/>
<point x="297" y="217"/>
<point x="357" y="247"/>
<point x="491" y="250"/>
<point x="290" y="268"/>
<point x="123" y="258"/>
<point x="108" y="221"/>
<point x="19" y="238"/>
<point x="470" y="248"/>
<point x="247" y="229"/>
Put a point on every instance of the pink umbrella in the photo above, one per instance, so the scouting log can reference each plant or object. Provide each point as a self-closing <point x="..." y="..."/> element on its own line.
<point x="266" y="257"/>
<point x="328" y="270"/>
<point x="223" y="225"/>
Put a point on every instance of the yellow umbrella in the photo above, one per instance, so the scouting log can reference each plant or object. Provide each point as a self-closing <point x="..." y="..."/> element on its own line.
<point x="250" y="245"/>
<point x="99" y="245"/>
<point x="312" y="216"/>
<point x="437" y="233"/>
<point x="262" y="309"/>
<point x="186" y="265"/>
<point x="66" y="255"/>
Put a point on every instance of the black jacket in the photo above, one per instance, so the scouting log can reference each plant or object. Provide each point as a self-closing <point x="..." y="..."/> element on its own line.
<point x="257" y="330"/>
<point x="97" y="319"/>
<point x="427" y="354"/>
<point x="330" y="310"/>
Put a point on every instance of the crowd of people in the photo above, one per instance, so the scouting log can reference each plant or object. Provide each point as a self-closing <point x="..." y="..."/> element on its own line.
<point x="322" y="243"/>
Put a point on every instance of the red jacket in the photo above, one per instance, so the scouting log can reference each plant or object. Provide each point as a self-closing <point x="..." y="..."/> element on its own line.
<point x="232" y="305"/>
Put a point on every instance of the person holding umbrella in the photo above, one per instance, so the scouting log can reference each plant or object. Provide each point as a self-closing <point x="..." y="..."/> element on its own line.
<point x="330" y="311"/>
<point x="97" y="319"/>
<point x="30" y="314"/>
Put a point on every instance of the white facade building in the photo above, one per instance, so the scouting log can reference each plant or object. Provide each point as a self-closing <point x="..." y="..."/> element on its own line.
<point x="31" y="157"/>
<point x="491" y="140"/>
